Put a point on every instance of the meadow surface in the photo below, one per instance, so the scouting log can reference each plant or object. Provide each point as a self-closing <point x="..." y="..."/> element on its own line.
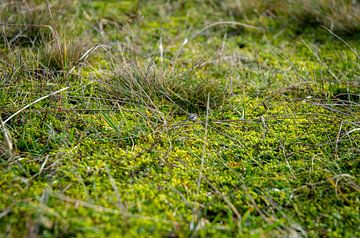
<point x="182" y="118"/>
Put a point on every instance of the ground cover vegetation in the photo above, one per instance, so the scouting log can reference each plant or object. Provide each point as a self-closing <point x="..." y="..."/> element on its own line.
<point x="179" y="118"/>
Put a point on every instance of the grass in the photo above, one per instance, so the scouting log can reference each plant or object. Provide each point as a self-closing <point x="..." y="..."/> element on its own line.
<point x="339" y="16"/>
<point x="96" y="139"/>
<point x="147" y="85"/>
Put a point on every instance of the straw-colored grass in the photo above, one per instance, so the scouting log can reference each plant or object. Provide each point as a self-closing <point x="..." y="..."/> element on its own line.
<point x="338" y="16"/>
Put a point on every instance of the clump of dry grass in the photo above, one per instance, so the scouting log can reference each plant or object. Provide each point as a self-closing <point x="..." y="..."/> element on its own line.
<point x="26" y="23"/>
<point x="5" y="142"/>
<point x="147" y="85"/>
<point x="62" y="54"/>
<point x="339" y="16"/>
<point x="21" y="21"/>
<point x="246" y="9"/>
<point x="29" y="22"/>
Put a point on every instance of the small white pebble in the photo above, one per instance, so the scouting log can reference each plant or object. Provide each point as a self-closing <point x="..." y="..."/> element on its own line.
<point x="193" y="116"/>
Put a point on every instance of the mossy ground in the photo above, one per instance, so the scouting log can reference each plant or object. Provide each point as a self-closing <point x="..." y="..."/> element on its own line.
<point x="275" y="155"/>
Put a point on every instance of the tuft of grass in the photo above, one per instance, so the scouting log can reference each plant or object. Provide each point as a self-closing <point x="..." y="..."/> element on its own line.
<point x="248" y="9"/>
<point x="148" y="85"/>
<point x="339" y="16"/>
<point x="21" y="21"/>
<point x="61" y="55"/>
<point x="27" y="23"/>
<point x="279" y="158"/>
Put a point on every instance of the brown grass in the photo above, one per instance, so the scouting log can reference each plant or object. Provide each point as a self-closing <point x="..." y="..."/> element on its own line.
<point x="62" y="54"/>
<point x="338" y="16"/>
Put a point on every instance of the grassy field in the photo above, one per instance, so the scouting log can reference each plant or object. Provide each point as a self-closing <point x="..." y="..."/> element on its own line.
<point x="182" y="118"/>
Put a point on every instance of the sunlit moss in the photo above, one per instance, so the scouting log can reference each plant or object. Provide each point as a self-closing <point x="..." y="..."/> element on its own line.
<point x="276" y="150"/>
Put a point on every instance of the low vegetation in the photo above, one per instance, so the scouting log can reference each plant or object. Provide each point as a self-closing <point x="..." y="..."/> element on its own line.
<point x="339" y="16"/>
<point x="179" y="118"/>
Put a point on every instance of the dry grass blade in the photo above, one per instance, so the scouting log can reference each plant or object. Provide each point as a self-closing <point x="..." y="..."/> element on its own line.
<point x="226" y="199"/>
<point x="198" y="33"/>
<point x="315" y="52"/>
<point x="116" y="190"/>
<point x="165" y="119"/>
<point x="204" y="145"/>
<point x="343" y="41"/>
<point x="5" y="212"/>
<point x="351" y="131"/>
<point x="53" y="31"/>
<point x="235" y="23"/>
<point x="84" y="56"/>
<point x="7" y="138"/>
<point x="32" y="103"/>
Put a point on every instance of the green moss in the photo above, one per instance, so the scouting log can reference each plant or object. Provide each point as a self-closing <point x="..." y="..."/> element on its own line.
<point x="278" y="145"/>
